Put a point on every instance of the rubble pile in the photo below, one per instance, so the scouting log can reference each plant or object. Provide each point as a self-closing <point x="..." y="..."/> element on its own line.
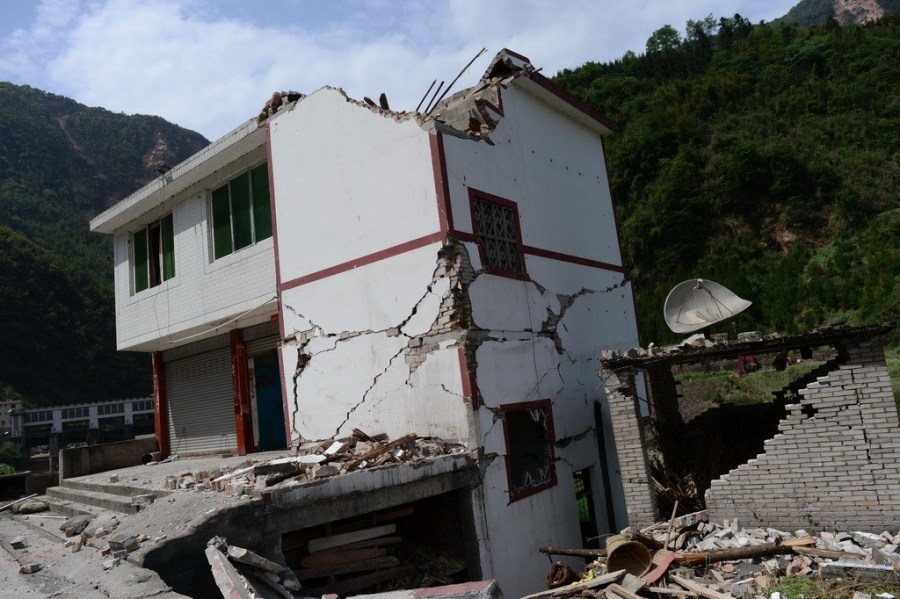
<point x="239" y="572"/>
<point x="316" y="461"/>
<point x="692" y="557"/>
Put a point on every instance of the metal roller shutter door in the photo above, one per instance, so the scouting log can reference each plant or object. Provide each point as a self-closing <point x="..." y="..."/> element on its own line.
<point x="201" y="403"/>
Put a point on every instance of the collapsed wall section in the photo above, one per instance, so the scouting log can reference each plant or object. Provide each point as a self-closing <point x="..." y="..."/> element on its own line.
<point x="834" y="465"/>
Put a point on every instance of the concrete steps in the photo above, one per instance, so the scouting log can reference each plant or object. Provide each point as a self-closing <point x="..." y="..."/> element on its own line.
<point x="106" y="501"/>
<point x="74" y="497"/>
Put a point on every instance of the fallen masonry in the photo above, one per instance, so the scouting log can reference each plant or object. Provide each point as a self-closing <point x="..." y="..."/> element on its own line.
<point x="691" y="557"/>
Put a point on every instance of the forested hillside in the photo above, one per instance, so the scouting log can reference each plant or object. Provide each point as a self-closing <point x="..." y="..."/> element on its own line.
<point x="62" y="163"/>
<point x="762" y="157"/>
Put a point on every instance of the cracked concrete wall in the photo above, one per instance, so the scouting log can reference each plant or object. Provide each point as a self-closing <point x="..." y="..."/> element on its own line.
<point x="356" y="353"/>
<point x="835" y="463"/>
<point x="540" y="339"/>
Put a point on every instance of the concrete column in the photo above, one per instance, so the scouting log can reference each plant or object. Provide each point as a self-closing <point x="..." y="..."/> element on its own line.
<point x="93" y="433"/>
<point x="241" y="384"/>
<point x="56" y="427"/>
<point x="160" y="404"/>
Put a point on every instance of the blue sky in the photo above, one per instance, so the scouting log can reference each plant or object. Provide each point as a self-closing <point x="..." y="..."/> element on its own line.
<point x="209" y="65"/>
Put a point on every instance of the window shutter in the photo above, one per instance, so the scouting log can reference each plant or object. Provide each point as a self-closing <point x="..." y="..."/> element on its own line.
<point x="262" y="215"/>
<point x="168" y="247"/>
<point x="221" y="222"/>
<point x="240" y="211"/>
<point x="141" y="273"/>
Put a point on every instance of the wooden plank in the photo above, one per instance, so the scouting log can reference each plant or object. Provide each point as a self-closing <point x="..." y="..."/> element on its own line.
<point x="393" y="514"/>
<point x="358" y="583"/>
<point x="700" y="589"/>
<point x="377" y="563"/>
<point x="621" y="591"/>
<point x="332" y="558"/>
<point x="665" y="591"/>
<point x="826" y="553"/>
<point x="352" y="464"/>
<point x="17" y="501"/>
<point x="346" y="538"/>
<point x="799" y="542"/>
<point x="377" y="542"/>
<point x="577" y="587"/>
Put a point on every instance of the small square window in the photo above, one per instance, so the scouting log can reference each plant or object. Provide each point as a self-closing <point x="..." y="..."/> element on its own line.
<point x="530" y="464"/>
<point x="495" y="223"/>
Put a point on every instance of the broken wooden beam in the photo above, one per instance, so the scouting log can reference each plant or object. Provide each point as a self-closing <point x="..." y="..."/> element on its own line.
<point x="358" y="583"/>
<point x="378" y="451"/>
<point x="594" y="553"/>
<point x="724" y="555"/>
<point x="700" y="589"/>
<point x="576" y="588"/>
<point x="325" y="559"/>
<point x="377" y="563"/>
<point x="346" y="538"/>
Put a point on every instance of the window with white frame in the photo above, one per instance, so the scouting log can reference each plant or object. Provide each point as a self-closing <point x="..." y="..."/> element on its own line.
<point x="153" y="253"/>
<point x="241" y="215"/>
<point x="495" y="223"/>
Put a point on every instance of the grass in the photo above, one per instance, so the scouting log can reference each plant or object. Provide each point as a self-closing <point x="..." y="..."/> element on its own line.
<point x="755" y="387"/>
<point x="803" y="587"/>
<point x="892" y="354"/>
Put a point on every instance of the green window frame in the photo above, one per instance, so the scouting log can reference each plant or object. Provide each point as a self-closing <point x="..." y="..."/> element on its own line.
<point x="154" y="253"/>
<point x="241" y="212"/>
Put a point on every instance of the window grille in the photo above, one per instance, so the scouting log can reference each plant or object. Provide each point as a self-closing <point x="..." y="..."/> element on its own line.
<point x="498" y="236"/>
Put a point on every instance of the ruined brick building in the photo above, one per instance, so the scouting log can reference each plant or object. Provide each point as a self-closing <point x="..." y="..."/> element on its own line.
<point x="336" y="265"/>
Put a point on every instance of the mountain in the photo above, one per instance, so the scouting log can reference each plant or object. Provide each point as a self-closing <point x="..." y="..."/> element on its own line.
<point x="761" y="157"/>
<point x="817" y="12"/>
<point x="61" y="163"/>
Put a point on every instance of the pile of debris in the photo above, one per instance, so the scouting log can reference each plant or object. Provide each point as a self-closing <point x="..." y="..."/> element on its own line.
<point x="316" y="461"/>
<point x="241" y="573"/>
<point x="691" y="557"/>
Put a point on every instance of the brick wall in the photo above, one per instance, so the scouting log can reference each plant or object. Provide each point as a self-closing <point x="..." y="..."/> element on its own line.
<point x="835" y="463"/>
<point x="640" y="502"/>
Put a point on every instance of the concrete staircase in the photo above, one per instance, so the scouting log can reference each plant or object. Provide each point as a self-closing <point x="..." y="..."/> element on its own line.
<point x="74" y="497"/>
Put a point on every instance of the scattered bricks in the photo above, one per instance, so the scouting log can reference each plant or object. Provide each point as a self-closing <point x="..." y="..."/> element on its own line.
<point x="31" y="568"/>
<point x="110" y="564"/>
<point x="18" y="543"/>
<point x="186" y="482"/>
<point x="274" y="468"/>
<point x="234" y="489"/>
<point x="120" y="555"/>
<point x="122" y="542"/>
<point x="323" y="470"/>
<point x="336" y="448"/>
<point x="76" y="547"/>
<point x="70" y="532"/>
<point x="160" y="538"/>
<point x="171" y="483"/>
<point x="142" y="538"/>
<point x="105" y="551"/>
<point x="113" y="478"/>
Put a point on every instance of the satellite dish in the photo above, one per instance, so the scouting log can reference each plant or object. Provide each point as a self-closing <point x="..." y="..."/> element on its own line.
<point x="698" y="303"/>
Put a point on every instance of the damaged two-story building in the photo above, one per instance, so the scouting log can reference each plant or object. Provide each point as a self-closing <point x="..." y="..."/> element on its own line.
<point x="336" y="265"/>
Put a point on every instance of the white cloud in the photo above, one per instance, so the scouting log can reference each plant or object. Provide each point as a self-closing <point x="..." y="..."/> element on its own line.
<point x="204" y="65"/>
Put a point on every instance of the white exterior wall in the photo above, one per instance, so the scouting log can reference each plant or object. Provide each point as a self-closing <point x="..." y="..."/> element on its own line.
<point x="204" y="292"/>
<point x="554" y="170"/>
<point x="349" y="183"/>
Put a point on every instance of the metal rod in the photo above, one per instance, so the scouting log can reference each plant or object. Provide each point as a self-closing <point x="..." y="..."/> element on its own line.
<point x="426" y="95"/>
<point x="436" y="92"/>
<point x="482" y="51"/>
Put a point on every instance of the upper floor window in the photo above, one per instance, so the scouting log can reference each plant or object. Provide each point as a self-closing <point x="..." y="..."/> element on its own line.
<point x="495" y="222"/>
<point x="154" y="253"/>
<point x="240" y="212"/>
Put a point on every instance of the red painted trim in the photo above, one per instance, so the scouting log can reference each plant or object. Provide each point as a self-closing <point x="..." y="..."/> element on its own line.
<point x="364" y="260"/>
<point x="475" y="194"/>
<point x="533" y="251"/>
<point x="573" y="101"/>
<point x="284" y="395"/>
<point x="160" y="404"/>
<point x="469" y="382"/>
<point x="240" y="378"/>
<point x="441" y="183"/>
<point x="552" y="481"/>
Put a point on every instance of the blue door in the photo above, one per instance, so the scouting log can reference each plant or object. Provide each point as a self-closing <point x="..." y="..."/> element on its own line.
<point x="269" y="409"/>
